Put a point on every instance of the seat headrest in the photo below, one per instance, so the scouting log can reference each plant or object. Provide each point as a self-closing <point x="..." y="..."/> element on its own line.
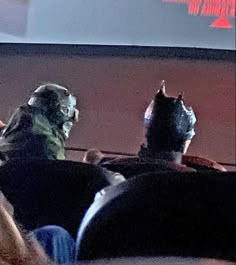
<point x="172" y="213"/>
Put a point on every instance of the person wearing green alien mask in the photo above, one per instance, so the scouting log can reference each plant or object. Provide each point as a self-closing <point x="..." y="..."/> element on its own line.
<point x="39" y="128"/>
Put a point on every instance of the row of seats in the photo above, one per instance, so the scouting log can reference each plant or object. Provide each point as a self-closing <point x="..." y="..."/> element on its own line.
<point x="151" y="214"/>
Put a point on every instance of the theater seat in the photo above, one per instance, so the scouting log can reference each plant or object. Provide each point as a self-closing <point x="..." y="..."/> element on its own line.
<point x="50" y="192"/>
<point x="130" y="167"/>
<point x="163" y="214"/>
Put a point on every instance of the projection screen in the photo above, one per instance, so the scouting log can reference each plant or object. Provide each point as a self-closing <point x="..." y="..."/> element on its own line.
<point x="173" y="23"/>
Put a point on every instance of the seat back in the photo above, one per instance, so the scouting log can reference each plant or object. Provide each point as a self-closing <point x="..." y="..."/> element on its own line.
<point x="163" y="214"/>
<point x="50" y="192"/>
<point x="130" y="167"/>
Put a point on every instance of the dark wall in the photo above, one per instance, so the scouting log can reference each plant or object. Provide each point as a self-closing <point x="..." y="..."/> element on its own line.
<point x="113" y="92"/>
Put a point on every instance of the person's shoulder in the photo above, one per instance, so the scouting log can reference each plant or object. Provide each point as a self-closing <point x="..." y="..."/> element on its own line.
<point x="22" y="110"/>
<point x="22" y="118"/>
<point x="25" y="113"/>
<point x="201" y="163"/>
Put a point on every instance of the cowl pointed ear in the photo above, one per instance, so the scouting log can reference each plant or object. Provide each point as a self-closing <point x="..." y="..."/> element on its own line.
<point x="181" y="96"/>
<point x="162" y="91"/>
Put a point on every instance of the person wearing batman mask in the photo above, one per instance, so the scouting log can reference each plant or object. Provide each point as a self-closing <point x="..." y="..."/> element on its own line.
<point x="170" y="127"/>
<point x="39" y="128"/>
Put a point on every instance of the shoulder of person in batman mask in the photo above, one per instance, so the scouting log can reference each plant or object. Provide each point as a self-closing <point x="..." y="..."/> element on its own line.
<point x="40" y="128"/>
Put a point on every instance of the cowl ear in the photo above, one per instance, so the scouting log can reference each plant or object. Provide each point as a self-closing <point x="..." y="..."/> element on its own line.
<point x="181" y="96"/>
<point x="162" y="91"/>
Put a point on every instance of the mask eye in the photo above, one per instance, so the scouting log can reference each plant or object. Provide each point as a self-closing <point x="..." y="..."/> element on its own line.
<point x="65" y="110"/>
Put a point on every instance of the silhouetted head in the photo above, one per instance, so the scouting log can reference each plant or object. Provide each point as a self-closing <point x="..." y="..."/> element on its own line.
<point x="171" y="124"/>
<point x="93" y="156"/>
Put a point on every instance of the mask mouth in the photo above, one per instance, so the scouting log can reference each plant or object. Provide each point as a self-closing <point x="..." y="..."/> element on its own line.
<point x="66" y="127"/>
<point x="68" y="109"/>
<point x="190" y="134"/>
